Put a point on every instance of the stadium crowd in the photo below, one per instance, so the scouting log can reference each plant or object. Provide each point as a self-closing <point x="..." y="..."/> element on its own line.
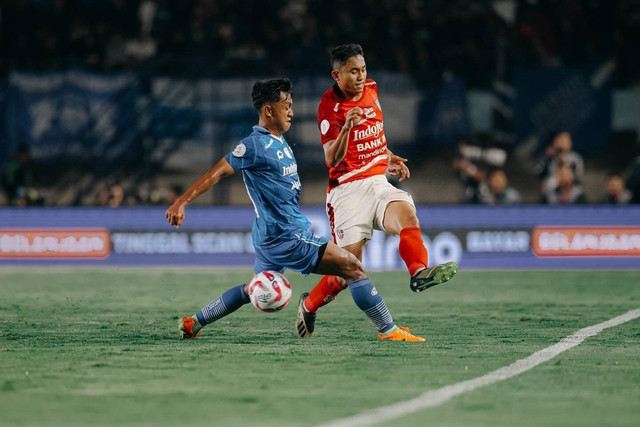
<point x="560" y="172"/>
<point x="478" y="41"/>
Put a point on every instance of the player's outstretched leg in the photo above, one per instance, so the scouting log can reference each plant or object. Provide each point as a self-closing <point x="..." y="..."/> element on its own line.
<point x="322" y="294"/>
<point x="431" y="276"/>
<point x="225" y="304"/>
<point x="186" y="327"/>
<point x="368" y="300"/>
<point x="401" y="334"/>
<point x="340" y="262"/>
<point x="412" y="249"/>
<point x="305" y="320"/>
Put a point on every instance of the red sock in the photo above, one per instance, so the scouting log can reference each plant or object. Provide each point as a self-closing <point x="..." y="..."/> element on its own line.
<point x="323" y="293"/>
<point x="412" y="249"/>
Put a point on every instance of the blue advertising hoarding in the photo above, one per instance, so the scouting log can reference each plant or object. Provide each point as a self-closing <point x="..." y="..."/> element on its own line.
<point x="476" y="237"/>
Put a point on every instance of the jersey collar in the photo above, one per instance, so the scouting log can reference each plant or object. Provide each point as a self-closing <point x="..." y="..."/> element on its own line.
<point x="265" y="131"/>
<point x="338" y="91"/>
<point x="340" y="94"/>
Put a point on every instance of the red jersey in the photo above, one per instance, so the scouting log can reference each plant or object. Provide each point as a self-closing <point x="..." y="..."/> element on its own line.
<point x="366" y="153"/>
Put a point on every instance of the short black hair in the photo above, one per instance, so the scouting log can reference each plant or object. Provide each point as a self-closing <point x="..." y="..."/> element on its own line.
<point x="268" y="91"/>
<point x="342" y="53"/>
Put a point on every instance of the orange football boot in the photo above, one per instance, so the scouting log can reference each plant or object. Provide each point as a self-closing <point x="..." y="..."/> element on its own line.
<point x="401" y="333"/>
<point x="185" y="325"/>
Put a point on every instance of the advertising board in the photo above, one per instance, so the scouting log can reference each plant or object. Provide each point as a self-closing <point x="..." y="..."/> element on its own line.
<point x="477" y="237"/>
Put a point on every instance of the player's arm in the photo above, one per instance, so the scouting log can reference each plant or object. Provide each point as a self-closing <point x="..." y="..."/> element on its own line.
<point x="175" y="213"/>
<point x="336" y="150"/>
<point x="397" y="166"/>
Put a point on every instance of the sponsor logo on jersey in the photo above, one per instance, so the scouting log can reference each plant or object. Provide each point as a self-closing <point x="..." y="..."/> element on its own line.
<point x="324" y="126"/>
<point x="370" y="131"/>
<point x="295" y="185"/>
<point x="280" y="155"/>
<point x="370" y="144"/>
<point x="290" y="170"/>
<point x="266" y="147"/>
<point x="336" y="107"/>
<point x="239" y="150"/>
<point x="369" y="112"/>
<point x="374" y="153"/>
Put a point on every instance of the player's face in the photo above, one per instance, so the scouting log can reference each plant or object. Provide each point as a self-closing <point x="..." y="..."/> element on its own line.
<point x="351" y="76"/>
<point x="282" y="113"/>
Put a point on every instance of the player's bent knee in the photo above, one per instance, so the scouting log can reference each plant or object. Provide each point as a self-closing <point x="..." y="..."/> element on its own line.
<point x="354" y="270"/>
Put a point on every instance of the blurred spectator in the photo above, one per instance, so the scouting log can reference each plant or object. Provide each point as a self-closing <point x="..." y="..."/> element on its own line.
<point x="471" y="165"/>
<point x="557" y="154"/>
<point x="633" y="181"/>
<point x="173" y="192"/>
<point x="111" y="195"/>
<point x="18" y="179"/>
<point x="565" y="190"/>
<point x="102" y="197"/>
<point x="470" y="177"/>
<point x="116" y="193"/>
<point x="497" y="191"/>
<point x="616" y="193"/>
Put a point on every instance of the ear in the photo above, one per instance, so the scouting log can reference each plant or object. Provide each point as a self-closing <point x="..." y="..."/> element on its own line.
<point x="335" y="74"/>
<point x="267" y="110"/>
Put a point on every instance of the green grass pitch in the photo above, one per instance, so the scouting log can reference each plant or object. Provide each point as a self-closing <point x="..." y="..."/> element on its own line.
<point x="100" y="346"/>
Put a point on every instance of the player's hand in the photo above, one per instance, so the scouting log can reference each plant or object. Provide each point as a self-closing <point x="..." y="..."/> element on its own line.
<point x="397" y="167"/>
<point x="354" y="116"/>
<point x="175" y="214"/>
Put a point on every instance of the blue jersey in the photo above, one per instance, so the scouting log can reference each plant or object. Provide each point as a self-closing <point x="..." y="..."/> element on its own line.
<point x="270" y="174"/>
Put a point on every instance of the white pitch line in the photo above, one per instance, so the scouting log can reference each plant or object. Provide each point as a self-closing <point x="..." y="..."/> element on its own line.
<point x="441" y="395"/>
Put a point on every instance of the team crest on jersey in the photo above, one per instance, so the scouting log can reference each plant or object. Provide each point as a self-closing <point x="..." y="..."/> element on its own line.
<point x="324" y="126"/>
<point x="336" y="107"/>
<point x="239" y="150"/>
<point x="369" y="112"/>
<point x="288" y="153"/>
<point x="340" y="232"/>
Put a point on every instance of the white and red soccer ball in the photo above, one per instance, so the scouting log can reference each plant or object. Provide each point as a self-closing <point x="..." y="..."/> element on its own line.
<point x="269" y="291"/>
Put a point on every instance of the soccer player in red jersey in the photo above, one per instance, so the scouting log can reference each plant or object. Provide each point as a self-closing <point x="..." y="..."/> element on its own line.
<point x="359" y="197"/>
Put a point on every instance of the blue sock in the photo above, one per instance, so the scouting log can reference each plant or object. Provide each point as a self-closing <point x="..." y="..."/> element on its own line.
<point x="368" y="300"/>
<point x="231" y="300"/>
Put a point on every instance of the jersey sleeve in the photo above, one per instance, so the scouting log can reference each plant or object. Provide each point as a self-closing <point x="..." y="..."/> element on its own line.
<point x="330" y="121"/>
<point x="243" y="155"/>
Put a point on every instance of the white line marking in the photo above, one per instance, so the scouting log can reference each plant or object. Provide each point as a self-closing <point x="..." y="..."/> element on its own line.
<point x="441" y="395"/>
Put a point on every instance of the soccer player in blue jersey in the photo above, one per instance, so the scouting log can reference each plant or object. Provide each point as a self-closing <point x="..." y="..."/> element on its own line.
<point x="280" y="231"/>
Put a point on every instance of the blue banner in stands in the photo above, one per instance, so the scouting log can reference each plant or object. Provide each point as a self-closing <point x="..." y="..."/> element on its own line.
<point x="444" y="119"/>
<point x="575" y="99"/>
<point x="73" y="114"/>
<point x="4" y="143"/>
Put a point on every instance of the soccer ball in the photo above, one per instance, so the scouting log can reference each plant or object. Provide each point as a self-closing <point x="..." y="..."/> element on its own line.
<point x="269" y="291"/>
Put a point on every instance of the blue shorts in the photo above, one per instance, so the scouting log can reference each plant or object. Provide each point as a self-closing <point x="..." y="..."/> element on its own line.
<point x="300" y="251"/>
